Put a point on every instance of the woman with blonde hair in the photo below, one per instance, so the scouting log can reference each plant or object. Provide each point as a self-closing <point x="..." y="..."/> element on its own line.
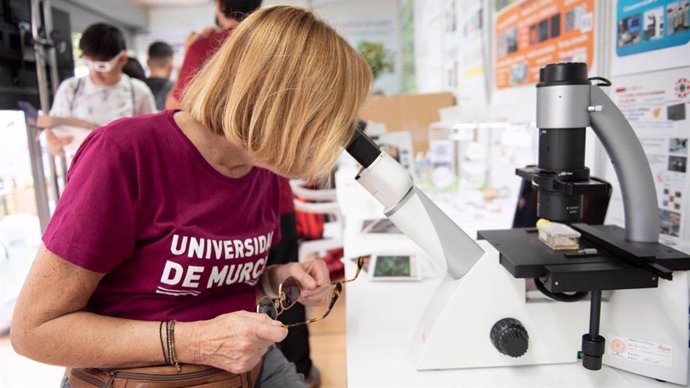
<point x="156" y="252"/>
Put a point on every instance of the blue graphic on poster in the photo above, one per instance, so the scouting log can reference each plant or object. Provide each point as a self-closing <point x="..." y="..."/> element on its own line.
<point x="648" y="25"/>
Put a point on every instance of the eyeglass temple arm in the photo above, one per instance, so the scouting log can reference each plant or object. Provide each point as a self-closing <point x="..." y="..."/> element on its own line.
<point x="338" y="287"/>
<point x="360" y="264"/>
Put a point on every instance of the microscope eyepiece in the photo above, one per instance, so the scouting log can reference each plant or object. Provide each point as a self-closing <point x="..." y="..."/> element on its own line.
<point x="573" y="73"/>
<point x="563" y="95"/>
<point x="361" y="147"/>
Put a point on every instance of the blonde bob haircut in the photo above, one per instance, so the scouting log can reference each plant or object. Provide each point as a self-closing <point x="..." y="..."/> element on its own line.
<point x="286" y="88"/>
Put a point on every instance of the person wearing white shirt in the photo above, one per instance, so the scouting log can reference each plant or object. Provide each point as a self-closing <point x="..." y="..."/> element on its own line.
<point x="104" y="95"/>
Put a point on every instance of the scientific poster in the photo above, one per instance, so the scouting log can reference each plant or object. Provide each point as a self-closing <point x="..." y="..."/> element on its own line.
<point x="532" y="33"/>
<point x="657" y="107"/>
<point x="647" y="29"/>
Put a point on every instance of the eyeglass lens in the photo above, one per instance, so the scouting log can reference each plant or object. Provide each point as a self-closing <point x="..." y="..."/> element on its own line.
<point x="289" y="292"/>
<point x="267" y="307"/>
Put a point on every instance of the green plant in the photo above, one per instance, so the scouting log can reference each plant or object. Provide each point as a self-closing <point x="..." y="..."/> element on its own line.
<point x="376" y="56"/>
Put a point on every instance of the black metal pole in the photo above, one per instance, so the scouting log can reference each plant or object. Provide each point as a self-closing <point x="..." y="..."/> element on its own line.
<point x="594" y="313"/>
<point x="593" y="344"/>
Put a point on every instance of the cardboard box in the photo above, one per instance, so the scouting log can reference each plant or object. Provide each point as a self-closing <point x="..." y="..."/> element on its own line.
<point x="408" y="112"/>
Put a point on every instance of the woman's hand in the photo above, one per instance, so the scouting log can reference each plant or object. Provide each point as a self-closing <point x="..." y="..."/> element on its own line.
<point x="313" y="277"/>
<point x="234" y="342"/>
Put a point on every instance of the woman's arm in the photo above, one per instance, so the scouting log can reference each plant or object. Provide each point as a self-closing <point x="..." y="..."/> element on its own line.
<point x="50" y="325"/>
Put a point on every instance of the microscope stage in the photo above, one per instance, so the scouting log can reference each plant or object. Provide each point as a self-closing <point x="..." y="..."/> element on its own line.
<point x="613" y="267"/>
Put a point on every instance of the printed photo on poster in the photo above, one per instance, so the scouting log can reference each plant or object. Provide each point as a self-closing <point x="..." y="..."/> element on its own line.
<point x="677" y="163"/>
<point x="643" y="27"/>
<point x="676" y="112"/>
<point x="672" y="199"/>
<point x="532" y="33"/>
<point x="651" y="25"/>
<point x="670" y="223"/>
<point x="678" y="145"/>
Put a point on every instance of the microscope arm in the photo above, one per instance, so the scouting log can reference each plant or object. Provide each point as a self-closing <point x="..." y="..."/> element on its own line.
<point x="411" y="210"/>
<point x="631" y="166"/>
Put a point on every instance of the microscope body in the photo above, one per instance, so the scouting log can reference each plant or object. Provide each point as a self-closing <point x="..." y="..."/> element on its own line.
<point x="481" y="314"/>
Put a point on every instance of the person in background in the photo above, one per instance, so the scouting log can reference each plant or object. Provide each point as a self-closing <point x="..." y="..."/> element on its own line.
<point x="105" y="94"/>
<point x="160" y="63"/>
<point x="134" y="69"/>
<point x="200" y="47"/>
<point x="156" y="252"/>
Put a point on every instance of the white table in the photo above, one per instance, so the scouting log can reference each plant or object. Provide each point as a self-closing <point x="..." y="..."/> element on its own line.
<point x="382" y="316"/>
<point x="381" y="321"/>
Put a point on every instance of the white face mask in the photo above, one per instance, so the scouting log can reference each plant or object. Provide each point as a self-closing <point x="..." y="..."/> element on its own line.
<point x="101" y="66"/>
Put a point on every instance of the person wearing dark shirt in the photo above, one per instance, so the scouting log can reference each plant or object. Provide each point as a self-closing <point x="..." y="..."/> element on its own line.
<point x="160" y="65"/>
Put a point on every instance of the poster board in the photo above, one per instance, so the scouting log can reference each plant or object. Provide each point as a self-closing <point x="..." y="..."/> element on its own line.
<point x="529" y="34"/>
<point x="408" y="112"/>
<point x="646" y="30"/>
<point x="657" y="105"/>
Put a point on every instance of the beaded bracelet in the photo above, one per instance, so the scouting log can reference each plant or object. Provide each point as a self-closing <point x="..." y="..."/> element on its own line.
<point x="172" y="354"/>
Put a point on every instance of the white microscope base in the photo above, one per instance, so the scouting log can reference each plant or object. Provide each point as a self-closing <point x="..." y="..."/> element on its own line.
<point x="454" y="331"/>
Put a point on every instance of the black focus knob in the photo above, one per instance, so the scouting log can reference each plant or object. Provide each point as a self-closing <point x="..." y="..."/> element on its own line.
<point x="510" y="337"/>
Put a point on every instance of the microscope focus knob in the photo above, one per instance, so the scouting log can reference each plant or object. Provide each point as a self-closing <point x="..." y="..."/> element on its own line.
<point x="510" y="337"/>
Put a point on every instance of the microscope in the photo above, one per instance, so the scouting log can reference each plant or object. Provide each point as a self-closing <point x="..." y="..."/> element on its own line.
<point x="628" y="294"/>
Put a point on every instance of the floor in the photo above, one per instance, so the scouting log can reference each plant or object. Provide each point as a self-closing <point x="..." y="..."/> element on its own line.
<point x="327" y="344"/>
<point x="327" y="340"/>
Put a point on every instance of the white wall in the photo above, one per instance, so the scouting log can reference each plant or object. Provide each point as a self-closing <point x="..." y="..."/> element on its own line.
<point x="120" y="13"/>
<point x="180" y="18"/>
<point x="173" y="24"/>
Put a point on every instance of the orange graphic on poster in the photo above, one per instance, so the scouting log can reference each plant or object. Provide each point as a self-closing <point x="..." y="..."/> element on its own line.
<point x="533" y="33"/>
<point x="618" y="346"/>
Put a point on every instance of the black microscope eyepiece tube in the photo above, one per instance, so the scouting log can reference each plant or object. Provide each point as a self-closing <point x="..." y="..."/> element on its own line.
<point x="362" y="148"/>
<point x="562" y="97"/>
<point x="573" y="73"/>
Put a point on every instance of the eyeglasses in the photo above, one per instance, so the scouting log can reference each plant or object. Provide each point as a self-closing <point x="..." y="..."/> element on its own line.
<point x="101" y="66"/>
<point x="289" y="291"/>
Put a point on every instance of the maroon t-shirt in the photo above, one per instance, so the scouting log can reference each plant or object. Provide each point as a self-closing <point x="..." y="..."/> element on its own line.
<point x="287" y="202"/>
<point x="200" y="51"/>
<point x="175" y="238"/>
